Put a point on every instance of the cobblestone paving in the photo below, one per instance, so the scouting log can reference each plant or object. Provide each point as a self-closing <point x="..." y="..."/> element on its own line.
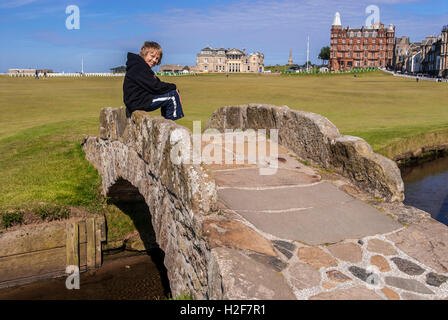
<point x="381" y="251"/>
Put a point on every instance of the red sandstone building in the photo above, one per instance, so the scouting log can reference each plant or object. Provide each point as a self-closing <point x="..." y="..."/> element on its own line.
<point x="361" y="48"/>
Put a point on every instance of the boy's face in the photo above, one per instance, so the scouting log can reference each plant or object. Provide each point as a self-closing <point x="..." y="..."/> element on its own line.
<point x="152" y="58"/>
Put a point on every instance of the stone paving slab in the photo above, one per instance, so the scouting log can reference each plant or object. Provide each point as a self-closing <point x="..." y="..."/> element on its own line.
<point x="319" y="195"/>
<point x="350" y="220"/>
<point x="234" y="234"/>
<point x="252" y="178"/>
<point x="357" y="293"/>
<point x="245" y="278"/>
<point x="426" y="242"/>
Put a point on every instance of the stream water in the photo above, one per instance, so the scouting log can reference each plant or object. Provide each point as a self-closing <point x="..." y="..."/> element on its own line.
<point x="123" y="276"/>
<point x="426" y="187"/>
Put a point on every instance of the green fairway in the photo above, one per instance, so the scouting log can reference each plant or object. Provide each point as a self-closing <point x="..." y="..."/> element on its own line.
<point x="43" y="121"/>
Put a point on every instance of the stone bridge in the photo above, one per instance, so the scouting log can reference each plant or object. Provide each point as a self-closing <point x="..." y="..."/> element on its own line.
<point x="324" y="220"/>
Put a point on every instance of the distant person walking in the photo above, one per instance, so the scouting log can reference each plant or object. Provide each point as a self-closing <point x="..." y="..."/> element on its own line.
<point x="143" y="90"/>
<point x="416" y="79"/>
<point x="37" y="75"/>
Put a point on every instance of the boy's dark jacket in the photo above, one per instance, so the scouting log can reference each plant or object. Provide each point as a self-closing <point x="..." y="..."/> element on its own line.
<point x="141" y="84"/>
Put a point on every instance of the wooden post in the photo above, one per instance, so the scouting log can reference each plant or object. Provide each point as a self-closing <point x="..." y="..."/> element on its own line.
<point x="72" y="244"/>
<point x="91" y="243"/>
<point x="98" y="238"/>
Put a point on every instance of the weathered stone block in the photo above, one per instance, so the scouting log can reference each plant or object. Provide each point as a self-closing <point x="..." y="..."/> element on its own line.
<point x="237" y="277"/>
<point x="234" y="234"/>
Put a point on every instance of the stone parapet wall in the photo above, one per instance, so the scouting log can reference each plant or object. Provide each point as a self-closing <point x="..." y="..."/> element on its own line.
<point x="137" y="149"/>
<point x="314" y="138"/>
<point x="149" y="137"/>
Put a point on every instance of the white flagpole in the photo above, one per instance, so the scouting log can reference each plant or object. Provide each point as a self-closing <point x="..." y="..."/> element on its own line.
<point x="308" y="55"/>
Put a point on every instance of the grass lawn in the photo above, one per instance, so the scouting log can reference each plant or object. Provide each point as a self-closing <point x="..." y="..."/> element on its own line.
<point x="43" y="121"/>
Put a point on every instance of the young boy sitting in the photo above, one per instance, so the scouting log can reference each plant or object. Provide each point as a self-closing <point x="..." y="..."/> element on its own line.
<point x="142" y="90"/>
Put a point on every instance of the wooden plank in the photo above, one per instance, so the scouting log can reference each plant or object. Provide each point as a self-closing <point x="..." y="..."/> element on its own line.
<point x="32" y="238"/>
<point x="26" y="280"/>
<point x="82" y="232"/>
<point x="31" y="264"/>
<point x="72" y="244"/>
<point x="101" y="224"/>
<point x="91" y="243"/>
<point x="83" y="255"/>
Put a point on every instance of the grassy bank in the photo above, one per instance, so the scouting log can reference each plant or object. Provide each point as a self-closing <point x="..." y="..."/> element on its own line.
<point x="43" y="121"/>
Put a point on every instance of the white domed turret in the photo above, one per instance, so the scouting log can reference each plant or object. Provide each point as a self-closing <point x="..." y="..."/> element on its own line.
<point x="391" y="27"/>
<point x="337" y="20"/>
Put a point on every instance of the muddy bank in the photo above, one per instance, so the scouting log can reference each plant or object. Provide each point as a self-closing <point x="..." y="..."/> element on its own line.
<point x="122" y="276"/>
<point x="423" y="154"/>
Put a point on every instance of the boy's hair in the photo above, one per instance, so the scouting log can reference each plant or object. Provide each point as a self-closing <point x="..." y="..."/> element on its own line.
<point x="151" y="45"/>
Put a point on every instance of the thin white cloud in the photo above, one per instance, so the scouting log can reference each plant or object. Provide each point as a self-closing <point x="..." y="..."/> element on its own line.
<point x="16" y="3"/>
<point x="395" y="1"/>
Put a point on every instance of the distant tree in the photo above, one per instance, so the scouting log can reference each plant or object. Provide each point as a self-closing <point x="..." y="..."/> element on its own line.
<point x="324" y="54"/>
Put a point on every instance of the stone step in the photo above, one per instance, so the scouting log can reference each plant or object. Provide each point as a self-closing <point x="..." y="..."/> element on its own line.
<point x="323" y="194"/>
<point x="251" y="178"/>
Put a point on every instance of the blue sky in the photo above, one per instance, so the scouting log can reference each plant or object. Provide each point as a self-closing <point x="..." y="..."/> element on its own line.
<point x="33" y="33"/>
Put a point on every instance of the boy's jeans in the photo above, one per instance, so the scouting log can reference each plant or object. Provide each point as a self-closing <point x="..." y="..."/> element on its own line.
<point x="170" y="105"/>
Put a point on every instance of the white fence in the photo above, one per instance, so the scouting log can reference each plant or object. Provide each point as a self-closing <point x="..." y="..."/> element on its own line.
<point x="91" y="74"/>
<point x="415" y="76"/>
<point x="420" y="78"/>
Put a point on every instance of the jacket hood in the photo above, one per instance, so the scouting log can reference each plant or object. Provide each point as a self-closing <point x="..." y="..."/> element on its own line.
<point x="135" y="60"/>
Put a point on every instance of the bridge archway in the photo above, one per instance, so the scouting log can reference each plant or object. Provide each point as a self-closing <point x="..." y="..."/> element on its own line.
<point x="127" y="198"/>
